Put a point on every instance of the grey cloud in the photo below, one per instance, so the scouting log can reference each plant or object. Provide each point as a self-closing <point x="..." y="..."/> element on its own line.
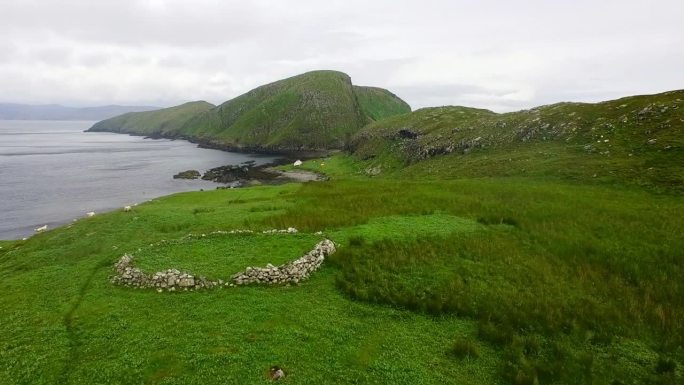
<point x="493" y="54"/>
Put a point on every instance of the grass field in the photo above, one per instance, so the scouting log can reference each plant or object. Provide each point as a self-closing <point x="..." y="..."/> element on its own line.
<point x="464" y="281"/>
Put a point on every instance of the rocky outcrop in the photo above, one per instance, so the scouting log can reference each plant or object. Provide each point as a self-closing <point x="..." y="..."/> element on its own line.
<point x="172" y="279"/>
<point x="189" y="174"/>
<point x="243" y="172"/>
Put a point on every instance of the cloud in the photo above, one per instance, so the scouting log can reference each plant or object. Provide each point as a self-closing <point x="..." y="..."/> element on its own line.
<point x="491" y="54"/>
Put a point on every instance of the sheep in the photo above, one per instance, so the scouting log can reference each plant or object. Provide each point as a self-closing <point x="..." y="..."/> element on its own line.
<point x="298" y="163"/>
<point x="127" y="208"/>
<point x="40" y="229"/>
<point x="90" y="214"/>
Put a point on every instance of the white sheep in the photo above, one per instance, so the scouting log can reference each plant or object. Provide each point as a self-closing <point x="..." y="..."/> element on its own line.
<point x="90" y="214"/>
<point x="298" y="163"/>
<point x="127" y="208"/>
<point x="40" y="229"/>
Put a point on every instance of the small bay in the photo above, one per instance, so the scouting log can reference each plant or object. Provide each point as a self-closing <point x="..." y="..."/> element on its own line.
<point x="52" y="172"/>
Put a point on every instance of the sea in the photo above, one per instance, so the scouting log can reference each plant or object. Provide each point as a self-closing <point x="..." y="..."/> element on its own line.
<point x="52" y="172"/>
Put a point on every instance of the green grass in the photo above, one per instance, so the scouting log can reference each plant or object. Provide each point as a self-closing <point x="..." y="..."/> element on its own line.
<point x="523" y="257"/>
<point x="378" y="103"/>
<point x="479" y="281"/>
<point x="636" y="140"/>
<point x="317" y="110"/>
<point x="218" y="256"/>
<point x="337" y="166"/>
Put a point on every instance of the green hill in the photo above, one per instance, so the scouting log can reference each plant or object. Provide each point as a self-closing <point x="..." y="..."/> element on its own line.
<point x="154" y="123"/>
<point x="637" y="139"/>
<point x="472" y="248"/>
<point x="317" y="110"/>
<point x="378" y="103"/>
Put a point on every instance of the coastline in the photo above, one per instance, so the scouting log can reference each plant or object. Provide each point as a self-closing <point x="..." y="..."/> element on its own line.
<point x="268" y="174"/>
<point x="72" y="173"/>
<point x="290" y="154"/>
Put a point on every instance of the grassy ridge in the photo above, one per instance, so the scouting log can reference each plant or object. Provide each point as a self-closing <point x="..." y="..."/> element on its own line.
<point x="167" y="121"/>
<point x="638" y="140"/>
<point x="317" y="110"/>
<point x="378" y="103"/>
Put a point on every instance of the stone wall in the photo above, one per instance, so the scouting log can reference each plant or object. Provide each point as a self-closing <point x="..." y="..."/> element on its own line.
<point x="172" y="279"/>
<point x="291" y="272"/>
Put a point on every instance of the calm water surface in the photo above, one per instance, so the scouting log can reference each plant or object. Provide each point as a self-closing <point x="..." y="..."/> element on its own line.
<point x="52" y="172"/>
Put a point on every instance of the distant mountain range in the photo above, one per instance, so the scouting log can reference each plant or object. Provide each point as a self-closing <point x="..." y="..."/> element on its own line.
<point x="13" y="111"/>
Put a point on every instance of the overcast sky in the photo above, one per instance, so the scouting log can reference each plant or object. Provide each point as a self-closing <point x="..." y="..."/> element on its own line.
<point x="503" y="55"/>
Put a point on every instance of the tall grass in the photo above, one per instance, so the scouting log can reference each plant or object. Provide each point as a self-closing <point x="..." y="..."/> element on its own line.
<point x="555" y="262"/>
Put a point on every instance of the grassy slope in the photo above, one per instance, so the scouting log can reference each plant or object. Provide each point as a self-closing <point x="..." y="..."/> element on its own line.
<point x="538" y="278"/>
<point x="606" y="141"/>
<point x="313" y="111"/>
<point x="64" y="323"/>
<point x="515" y="278"/>
<point x="162" y="122"/>
<point x="378" y="103"/>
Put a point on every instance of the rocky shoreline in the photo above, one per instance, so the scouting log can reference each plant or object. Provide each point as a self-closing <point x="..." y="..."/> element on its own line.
<point x="285" y="152"/>
<point x="248" y="174"/>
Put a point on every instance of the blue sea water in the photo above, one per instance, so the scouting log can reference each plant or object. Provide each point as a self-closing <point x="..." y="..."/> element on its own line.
<point x="52" y="172"/>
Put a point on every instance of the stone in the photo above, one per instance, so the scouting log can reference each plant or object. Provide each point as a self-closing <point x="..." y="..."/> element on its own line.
<point x="172" y="279"/>
<point x="189" y="174"/>
<point x="277" y="373"/>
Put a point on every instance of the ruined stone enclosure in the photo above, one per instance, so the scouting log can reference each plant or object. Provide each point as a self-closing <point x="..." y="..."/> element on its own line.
<point x="175" y="279"/>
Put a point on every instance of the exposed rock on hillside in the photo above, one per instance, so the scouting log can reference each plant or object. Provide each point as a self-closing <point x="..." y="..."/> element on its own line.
<point x="638" y="138"/>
